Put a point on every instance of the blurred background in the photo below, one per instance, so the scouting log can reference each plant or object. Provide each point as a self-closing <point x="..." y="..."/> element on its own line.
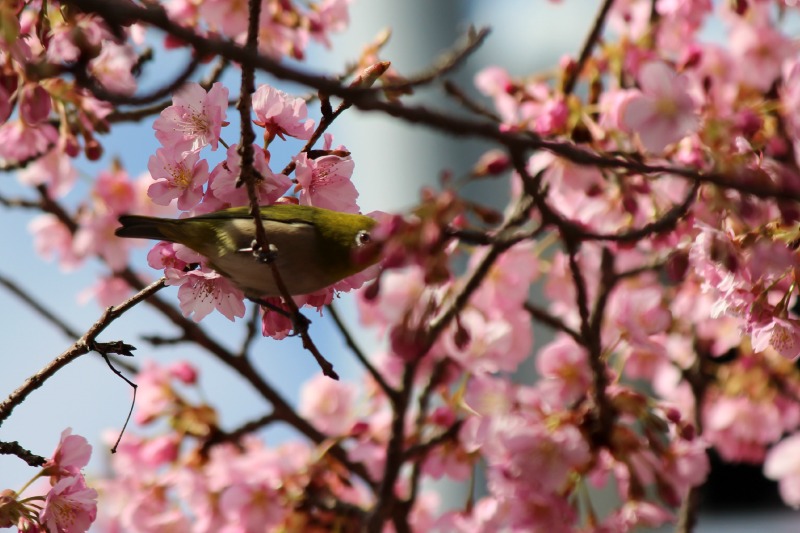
<point x="393" y="159"/>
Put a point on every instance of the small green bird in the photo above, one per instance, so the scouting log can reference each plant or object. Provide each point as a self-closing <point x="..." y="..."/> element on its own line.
<point x="316" y="247"/>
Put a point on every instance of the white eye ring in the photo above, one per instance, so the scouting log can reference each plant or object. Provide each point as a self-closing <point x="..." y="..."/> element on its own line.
<point x="362" y="237"/>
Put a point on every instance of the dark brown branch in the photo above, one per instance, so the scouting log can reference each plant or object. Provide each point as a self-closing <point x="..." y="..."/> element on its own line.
<point x="220" y="437"/>
<point x="54" y="208"/>
<point x="553" y="321"/>
<point x="14" y="448"/>
<point x="249" y="178"/>
<point x="386" y="497"/>
<point x="461" y="97"/>
<point x="88" y="82"/>
<point x="134" y="115"/>
<point x="476" y="277"/>
<point x="586" y="50"/>
<point x="250" y="332"/>
<point x="698" y="376"/>
<point x="127" y="13"/>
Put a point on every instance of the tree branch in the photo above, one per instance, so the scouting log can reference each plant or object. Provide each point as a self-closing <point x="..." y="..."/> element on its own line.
<point x="82" y="346"/>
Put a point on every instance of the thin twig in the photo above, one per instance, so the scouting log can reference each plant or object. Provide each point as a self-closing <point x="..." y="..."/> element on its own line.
<point x="444" y="64"/>
<point x="476" y="277"/>
<point x="220" y="437"/>
<point x="37" y="306"/>
<point x="81" y="347"/>
<point x="553" y="321"/>
<point x="88" y="82"/>
<point x="586" y="50"/>
<point x="359" y="353"/>
<point x="19" y="202"/>
<point x="250" y="332"/>
<point x="461" y="97"/>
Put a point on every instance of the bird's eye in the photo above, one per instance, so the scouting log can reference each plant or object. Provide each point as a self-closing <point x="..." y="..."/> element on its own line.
<point x="362" y="237"/>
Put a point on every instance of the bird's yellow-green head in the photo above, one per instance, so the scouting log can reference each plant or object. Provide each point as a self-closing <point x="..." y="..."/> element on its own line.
<point x="316" y="247"/>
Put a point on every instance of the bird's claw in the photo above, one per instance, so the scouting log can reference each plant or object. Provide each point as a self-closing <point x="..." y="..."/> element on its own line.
<point x="266" y="257"/>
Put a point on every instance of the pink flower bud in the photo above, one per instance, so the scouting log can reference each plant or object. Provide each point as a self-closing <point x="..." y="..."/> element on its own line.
<point x="93" y="150"/>
<point x="183" y="371"/>
<point x="34" y="104"/>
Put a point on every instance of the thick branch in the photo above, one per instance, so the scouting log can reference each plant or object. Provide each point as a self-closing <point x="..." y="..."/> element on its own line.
<point x="128" y="13"/>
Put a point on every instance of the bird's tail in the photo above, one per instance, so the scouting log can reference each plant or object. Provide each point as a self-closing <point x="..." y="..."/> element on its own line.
<point x="141" y="227"/>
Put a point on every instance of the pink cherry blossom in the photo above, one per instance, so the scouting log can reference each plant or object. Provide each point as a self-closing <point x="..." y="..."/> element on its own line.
<point x="54" y="170"/>
<point x="177" y="177"/>
<point x="277" y="39"/>
<point x="34" y="104"/>
<point x="228" y="18"/>
<point x="740" y="429"/>
<point x="70" y="506"/>
<point x="629" y="18"/>
<point x="52" y="239"/>
<point x="328" y="404"/>
<point x="782" y="464"/>
<point x="194" y="119"/>
<point x="494" y="341"/>
<point x="783" y="334"/>
<point x="202" y="291"/>
<point x="114" y="68"/>
<point x="281" y="114"/>
<point x="95" y="236"/>
<point x="329" y="16"/>
<point x="107" y="291"/>
<point x="65" y="38"/>
<point x="19" y="141"/>
<point x="663" y="112"/>
<point x="325" y="182"/>
<point x="758" y="51"/>
<point x="116" y="191"/>
<point x="163" y="255"/>
<point x="71" y="454"/>
<point x="504" y="288"/>
<point x="225" y="175"/>
<point x="565" y="367"/>
<point x="634" y="515"/>
<point x="154" y="395"/>
<point x="273" y="324"/>
<point x="251" y="507"/>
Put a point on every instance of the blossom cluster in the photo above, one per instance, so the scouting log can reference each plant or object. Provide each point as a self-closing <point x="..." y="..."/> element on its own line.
<point x="193" y="122"/>
<point x="667" y="270"/>
<point x="67" y="505"/>
<point x="731" y="261"/>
